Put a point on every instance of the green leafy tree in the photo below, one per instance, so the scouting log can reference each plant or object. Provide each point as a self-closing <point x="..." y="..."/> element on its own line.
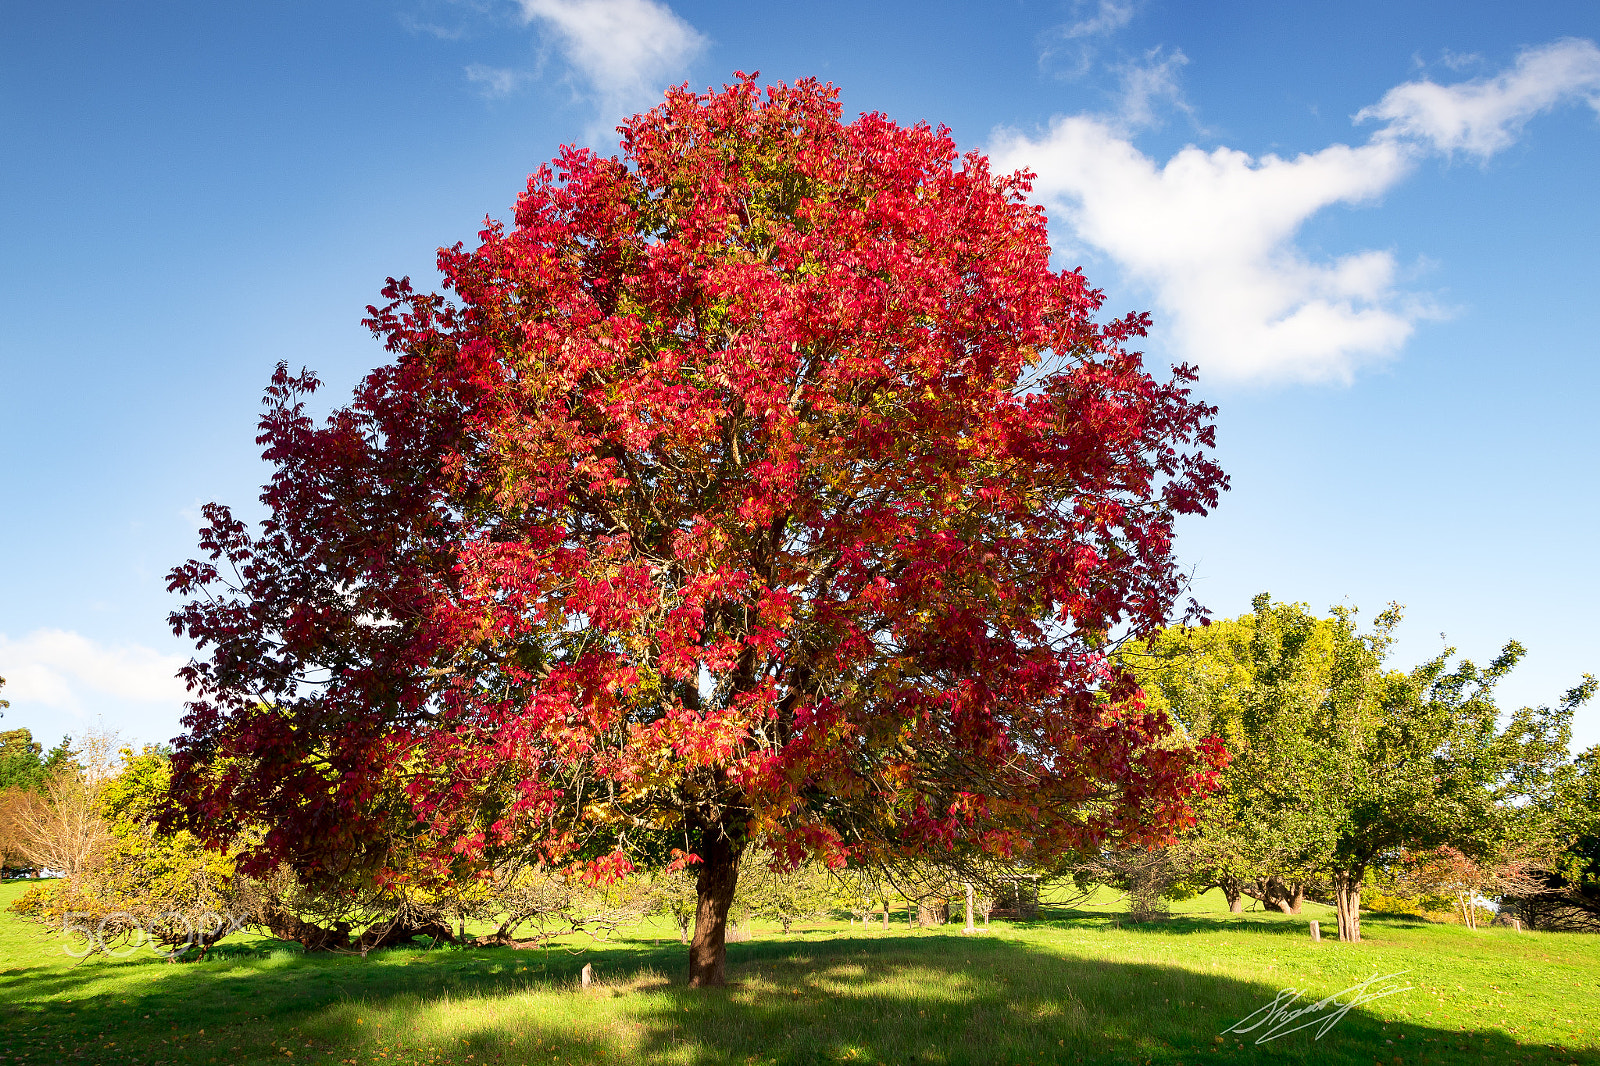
<point x="786" y="896"/>
<point x="1567" y="895"/>
<point x="676" y="897"/>
<point x="25" y="764"/>
<point x="1420" y="760"/>
<point x="1341" y="763"/>
<point x="1257" y="682"/>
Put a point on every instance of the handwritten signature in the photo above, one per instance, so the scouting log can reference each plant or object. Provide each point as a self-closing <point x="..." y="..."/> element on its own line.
<point x="1280" y="1018"/>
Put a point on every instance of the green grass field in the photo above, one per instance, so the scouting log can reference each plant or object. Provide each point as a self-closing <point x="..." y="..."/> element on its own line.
<point x="1073" y="987"/>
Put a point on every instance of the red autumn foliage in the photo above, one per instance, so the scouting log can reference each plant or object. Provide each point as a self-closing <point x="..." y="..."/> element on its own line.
<point x="765" y="485"/>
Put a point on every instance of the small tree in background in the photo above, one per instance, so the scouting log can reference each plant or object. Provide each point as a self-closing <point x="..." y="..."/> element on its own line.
<point x="67" y="831"/>
<point x="1467" y="884"/>
<point x="675" y="896"/>
<point x="863" y="892"/>
<point x="786" y="896"/>
<point x="24" y="764"/>
<point x="19" y="807"/>
<point x="26" y="770"/>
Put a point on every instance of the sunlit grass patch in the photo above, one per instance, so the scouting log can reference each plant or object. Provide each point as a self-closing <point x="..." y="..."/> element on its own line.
<point x="1073" y="987"/>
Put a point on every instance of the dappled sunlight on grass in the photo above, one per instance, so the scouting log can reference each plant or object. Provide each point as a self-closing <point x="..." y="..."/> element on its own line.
<point x="1073" y="987"/>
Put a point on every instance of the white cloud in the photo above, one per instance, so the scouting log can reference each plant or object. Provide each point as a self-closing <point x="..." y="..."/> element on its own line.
<point x="495" y="81"/>
<point x="1458" y="61"/>
<point x="70" y="674"/>
<point x="1483" y="116"/>
<point x="1147" y="85"/>
<point x="1212" y="233"/>
<point x="627" y="51"/>
<point x="1070" y="51"/>
<point x="1109" y="16"/>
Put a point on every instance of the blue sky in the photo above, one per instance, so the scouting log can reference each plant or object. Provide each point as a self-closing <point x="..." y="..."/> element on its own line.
<point x="1374" y="226"/>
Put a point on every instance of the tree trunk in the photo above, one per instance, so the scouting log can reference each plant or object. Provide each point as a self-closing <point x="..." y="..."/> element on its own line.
<point x="719" y="876"/>
<point x="1347" y="898"/>
<point x="1297" y="896"/>
<point x="969" y="928"/>
<point x="1234" y="894"/>
<point x="886" y="914"/>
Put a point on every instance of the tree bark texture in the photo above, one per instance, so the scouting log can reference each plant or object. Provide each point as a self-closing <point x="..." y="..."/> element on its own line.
<point x="1347" y="899"/>
<point x="718" y="878"/>
<point x="1234" y="895"/>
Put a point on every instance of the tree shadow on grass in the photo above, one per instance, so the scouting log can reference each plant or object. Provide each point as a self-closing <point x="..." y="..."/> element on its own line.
<point x="923" y="1000"/>
<point x="896" y="998"/>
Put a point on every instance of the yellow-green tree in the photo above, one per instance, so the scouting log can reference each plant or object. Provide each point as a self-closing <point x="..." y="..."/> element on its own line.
<point x="1341" y="762"/>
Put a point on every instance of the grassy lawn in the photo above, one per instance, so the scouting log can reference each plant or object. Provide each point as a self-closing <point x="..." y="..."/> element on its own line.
<point x="1073" y="987"/>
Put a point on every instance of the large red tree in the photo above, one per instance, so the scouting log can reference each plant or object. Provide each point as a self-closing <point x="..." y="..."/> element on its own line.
<point x="764" y="486"/>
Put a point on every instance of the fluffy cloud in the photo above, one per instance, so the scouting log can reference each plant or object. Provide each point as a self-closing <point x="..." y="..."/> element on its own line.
<point x="1481" y="117"/>
<point x="1212" y="233"/>
<point x="626" y="51"/>
<point x="70" y="674"/>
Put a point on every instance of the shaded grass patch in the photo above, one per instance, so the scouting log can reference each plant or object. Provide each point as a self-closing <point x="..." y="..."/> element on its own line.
<point x="1073" y="987"/>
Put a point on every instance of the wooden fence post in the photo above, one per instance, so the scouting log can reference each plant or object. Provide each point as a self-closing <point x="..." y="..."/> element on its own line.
<point x="1316" y="931"/>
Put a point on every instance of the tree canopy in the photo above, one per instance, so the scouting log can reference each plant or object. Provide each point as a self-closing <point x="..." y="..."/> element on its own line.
<point x="762" y="485"/>
<point x="1340" y="761"/>
<point x="25" y="764"/>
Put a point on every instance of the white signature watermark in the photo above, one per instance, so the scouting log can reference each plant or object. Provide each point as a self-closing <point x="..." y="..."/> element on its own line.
<point x="1281" y="1017"/>
<point x="169" y="934"/>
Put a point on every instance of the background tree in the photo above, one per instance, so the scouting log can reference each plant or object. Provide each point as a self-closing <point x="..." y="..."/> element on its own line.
<point x="25" y="764"/>
<point x="1340" y="762"/>
<point x="66" y="832"/>
<point x="779" y="894"/>
<point x="168" y="888"/>
<point x="1259" y="682"/>
<point x="25" y="770"/>
<point x="861" y="891"/>
<point x="18" y="808"/>
<point x="1468" y="885"/>
<point x="762" y="486"/>
<point x="1420" y="760"/>
<point x="675" y="896"/>
<point x="1566" y="894"/>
